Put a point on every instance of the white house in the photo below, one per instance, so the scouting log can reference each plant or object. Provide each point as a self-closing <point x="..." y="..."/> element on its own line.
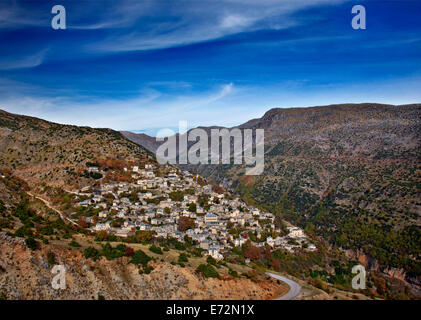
<point x="103" y="214"/>
<point x="214" y="253"/>
<point x="150" y="174"/>
<point x="239" y="241"/>
<point x="295" y="232"/>
<point x="102" y="226"/>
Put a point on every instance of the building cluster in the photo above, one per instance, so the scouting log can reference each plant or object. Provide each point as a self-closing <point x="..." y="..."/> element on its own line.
<point x="146" y="204"/>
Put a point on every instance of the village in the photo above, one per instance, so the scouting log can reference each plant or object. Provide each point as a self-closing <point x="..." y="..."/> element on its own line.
<point x="159" y="202"/>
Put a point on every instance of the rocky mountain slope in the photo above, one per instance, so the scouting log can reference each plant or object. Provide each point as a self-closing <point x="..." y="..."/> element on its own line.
<point x="350" y="173"/>
<point x="366" y="199"/>
<point x="142" y="139"/>
<point x="26" y="274"/>
<point x="44" y="152"/>
<point x="36" y="157"/>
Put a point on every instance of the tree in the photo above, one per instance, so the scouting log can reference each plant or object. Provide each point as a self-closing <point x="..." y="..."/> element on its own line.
<point x="252" y="253"/>
<point x="31" y="243"/>
<point x="140" y="257"/>
<point x="82" y="223"/>
<point x="102" y="235"/>
<point x="275" y="264"/>
<point x="309" y="228"/>
<point x="183" y="258"/>
<point x="185" y="223"/>
<point x="207" y="271"/>
<point x="51" y="258"/>
<point x="218" y="189"/>
<point x="192" y="207"/>
<point x="73" y="243"/>
<point x="155" y="249"/>
<point x="91" y="252"/>
<point x="211" y="260"/>
<point x="129" y="251"/>
<point x="177" y="196"/>
<point x="142" y="236"/>
<point x="266" y="252"/>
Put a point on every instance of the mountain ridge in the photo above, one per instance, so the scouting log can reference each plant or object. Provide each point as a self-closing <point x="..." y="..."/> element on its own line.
<point x="42" y="151"/>
<point x="355" y="199"/>
<point x="350" y="173"/>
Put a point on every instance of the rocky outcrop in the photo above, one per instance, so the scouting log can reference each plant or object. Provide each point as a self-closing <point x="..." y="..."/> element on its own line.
<point x="27" y="274"/>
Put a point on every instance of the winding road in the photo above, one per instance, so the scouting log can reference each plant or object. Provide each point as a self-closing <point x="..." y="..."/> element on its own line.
<point x="294" y="287"/>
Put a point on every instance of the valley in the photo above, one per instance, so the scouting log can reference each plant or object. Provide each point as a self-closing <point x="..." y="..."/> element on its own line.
<point x="340" y="187"/>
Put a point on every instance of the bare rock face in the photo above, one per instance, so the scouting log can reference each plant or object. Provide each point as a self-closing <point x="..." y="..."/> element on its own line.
<point x="26" y="274"/>
<point x="396" y="273"/>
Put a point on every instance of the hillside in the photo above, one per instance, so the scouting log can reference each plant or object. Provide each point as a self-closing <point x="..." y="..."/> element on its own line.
<point x="44" y="152"/>
<point x="350" y="173"/>
<point x="26" y="274"/>
<point x="149" y="143"/>
<point x="88" y="194"/>
<point x="44" y="168"/>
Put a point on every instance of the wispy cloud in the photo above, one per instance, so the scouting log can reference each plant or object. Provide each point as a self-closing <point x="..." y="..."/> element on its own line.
<point x="89" y="76"/>
<point x="177" y="24"/>
<point x="28" y="61"/>
<point x="225" y="105"/>
<point x="129" y="25"/>
<point x="111" y="14"/>
<point x="148" y="110"/>
<point x="14" y="15"/>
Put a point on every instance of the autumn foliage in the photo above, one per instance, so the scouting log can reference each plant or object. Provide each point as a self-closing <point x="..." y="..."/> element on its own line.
<point x="129" y="251"/>
<point x="82" y="223"/>
<point x="185" y="223"/>
<point x="218" y="189"/>
<point x="257" y="253"/>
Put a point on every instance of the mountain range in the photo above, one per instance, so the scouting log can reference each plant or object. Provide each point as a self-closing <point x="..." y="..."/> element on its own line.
<point x="349" y="173"/>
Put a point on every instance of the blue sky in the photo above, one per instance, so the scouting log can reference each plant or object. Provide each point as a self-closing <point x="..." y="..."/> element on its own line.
<point x="145" y="65"/>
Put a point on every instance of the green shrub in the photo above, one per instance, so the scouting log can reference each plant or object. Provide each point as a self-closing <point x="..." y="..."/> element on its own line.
<point x="51" y="258"/>
<point x="91" y="252"/>
<point x="147" y="269"/>
<point x="233" y="273"/>
<point x="73" y="243"/>
<point x="183" y="257"/>
<point x="155" y="249"/>
<point x="208" y="271"/>
<point x="211" y="260"/>
<point x="112" y="253"/>
<point x="31" y="243"/>
<point x="140" y="257"/>
<point x="24" y="232"/>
